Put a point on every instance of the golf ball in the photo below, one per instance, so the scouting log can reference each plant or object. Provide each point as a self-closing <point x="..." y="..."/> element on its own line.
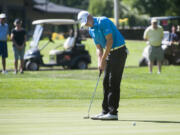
<point x="134" y="123"/>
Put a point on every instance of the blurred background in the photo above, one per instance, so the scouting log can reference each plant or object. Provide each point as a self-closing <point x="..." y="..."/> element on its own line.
<point x="134" y="15"/>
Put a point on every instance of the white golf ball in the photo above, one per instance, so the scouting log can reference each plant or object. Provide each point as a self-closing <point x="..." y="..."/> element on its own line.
<point x="134" y="123"/>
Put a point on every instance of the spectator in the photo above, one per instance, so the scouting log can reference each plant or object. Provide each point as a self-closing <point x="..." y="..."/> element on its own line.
<point x="178" y="34"/>
<point x="3" y="41"/>
<point x="18" y="36"/>
<point x="178" y="30"/>
<point x="174" y="38"/>
<point x="154" y="35"/>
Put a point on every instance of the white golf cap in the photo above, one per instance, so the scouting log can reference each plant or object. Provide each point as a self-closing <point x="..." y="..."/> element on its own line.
<point x="154" y="20"/>
<point x="2" y="15"/>
<point x="82" y="17"/>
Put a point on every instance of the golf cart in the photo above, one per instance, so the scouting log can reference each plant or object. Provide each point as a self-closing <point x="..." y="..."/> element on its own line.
<point x="171" y="52"/>
<point x="74" y="55"/>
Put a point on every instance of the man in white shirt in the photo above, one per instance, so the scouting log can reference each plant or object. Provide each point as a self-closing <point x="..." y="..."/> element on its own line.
<point x="154" y="34"/>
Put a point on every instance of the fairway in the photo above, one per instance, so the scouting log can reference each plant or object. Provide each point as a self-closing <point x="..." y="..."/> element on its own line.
<point x="54" y="101"/>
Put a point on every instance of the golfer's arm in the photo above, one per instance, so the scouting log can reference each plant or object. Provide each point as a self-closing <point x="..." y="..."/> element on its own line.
<point x="99" y="52"/>
<point x="109" y="42"/>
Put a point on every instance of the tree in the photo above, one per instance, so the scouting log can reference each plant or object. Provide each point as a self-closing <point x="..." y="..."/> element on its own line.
<point x="157" y="7"/>
<point x="173" y="8"/>
<point x="81" y="4"/>
<point x="101" y="7"/>
<point x="151" y="7"/>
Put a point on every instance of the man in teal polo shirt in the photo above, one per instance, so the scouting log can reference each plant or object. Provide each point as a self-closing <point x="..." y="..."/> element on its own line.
<point x="3" y="41"/>
<point x="111" y="52"/>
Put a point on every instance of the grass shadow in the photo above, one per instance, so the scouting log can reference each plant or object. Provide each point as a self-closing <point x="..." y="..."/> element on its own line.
<point x="152" y="121"/>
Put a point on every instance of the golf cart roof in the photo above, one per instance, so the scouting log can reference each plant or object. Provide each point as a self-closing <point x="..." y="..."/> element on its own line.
<point x="54" y="21"/>
<point x="166" y="17"/>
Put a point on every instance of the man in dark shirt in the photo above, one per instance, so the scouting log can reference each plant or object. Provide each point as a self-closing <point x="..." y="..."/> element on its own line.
<point x="18" y="36"/>
<point x="174" y="37"/>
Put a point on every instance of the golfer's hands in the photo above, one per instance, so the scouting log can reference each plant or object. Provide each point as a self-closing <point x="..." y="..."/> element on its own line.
<point x="102" y="65"/>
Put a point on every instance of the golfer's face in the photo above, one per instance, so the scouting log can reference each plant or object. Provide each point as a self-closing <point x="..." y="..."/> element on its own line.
<point x="89" y="22"/>
<point x="87" y="25"/>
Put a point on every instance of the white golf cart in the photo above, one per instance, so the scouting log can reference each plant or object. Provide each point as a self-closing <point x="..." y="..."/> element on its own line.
<point x="74" y="55"/>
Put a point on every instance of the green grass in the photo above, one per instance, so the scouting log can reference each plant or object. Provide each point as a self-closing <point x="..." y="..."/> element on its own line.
<point x="77" y="84"/>
<point x="54" y="101"/>
<point x="65" y="117"/>
<point x="135" y="50"/>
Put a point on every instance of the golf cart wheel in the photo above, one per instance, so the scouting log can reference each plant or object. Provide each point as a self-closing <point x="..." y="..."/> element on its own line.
<point x="81" y="64"/>
<point x="32" y="66"/>
<point x="143" y="62"/>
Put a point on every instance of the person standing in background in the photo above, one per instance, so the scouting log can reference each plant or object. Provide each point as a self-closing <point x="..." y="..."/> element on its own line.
<point x="3" y="41"/>
<point x="18" y="36"/>
<point x="154" y="35"/>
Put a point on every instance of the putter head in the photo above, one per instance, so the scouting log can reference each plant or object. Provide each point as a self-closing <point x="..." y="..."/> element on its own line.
<point x="86" y="117"/>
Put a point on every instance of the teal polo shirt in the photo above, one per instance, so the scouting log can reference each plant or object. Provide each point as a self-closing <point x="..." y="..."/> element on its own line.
<point x="101" y="28"/>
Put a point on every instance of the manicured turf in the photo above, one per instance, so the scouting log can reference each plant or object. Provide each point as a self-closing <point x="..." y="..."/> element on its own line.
<point x="79" y="84"/>
<point x="135" y="52"/>
<point x="65" y="117"/>
<point x="54" y="101"/>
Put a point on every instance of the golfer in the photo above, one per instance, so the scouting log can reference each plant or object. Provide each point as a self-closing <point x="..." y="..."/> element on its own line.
<point x="111" y="52"/>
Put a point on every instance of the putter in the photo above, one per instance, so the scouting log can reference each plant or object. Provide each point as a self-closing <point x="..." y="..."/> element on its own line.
<point x="87" y="117"/>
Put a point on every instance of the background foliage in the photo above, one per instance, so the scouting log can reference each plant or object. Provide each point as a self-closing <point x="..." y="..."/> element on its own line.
<point x="137" y="11"/>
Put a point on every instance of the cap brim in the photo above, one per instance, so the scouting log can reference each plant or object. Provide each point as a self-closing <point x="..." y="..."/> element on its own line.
<point x="83" y="24"/>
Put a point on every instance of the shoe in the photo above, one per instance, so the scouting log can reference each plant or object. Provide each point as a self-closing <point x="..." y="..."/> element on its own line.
<point x="158" y="72"/>
<point x="96" y="117"/>
<point x="4" y="72"/>
<point x="109" y="117"/>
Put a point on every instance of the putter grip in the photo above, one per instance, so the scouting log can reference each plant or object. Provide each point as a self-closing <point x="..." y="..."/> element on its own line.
<point x="100" y="72"/>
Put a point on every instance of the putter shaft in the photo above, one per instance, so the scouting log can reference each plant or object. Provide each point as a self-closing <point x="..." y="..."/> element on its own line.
<point x="93" y="95"/>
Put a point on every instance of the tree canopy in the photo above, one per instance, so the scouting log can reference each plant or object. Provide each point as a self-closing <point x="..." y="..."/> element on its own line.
<point x="105" y="7"/>
<point x="156" y="7"/>
<point x="137" y="11"/>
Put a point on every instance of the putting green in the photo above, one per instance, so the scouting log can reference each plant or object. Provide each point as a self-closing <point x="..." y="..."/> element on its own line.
<point x="65" y="117"/>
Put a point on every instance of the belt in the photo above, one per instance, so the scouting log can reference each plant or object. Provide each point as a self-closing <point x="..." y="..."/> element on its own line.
<point x="113" y="49"/>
